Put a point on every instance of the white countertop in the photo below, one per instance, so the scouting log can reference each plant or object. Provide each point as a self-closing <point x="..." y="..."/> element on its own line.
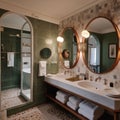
<point x="97" y="96"/>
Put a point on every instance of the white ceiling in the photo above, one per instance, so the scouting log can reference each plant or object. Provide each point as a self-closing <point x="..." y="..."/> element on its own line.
<point x="49" y="10"/>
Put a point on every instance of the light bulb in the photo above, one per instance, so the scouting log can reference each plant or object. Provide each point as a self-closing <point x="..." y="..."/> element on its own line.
<point x="85" y="34"/>
<point x="60" y="39"/>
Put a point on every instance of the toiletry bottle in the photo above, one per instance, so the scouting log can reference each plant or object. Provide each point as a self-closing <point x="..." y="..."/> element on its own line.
<point x="87" y="74"/>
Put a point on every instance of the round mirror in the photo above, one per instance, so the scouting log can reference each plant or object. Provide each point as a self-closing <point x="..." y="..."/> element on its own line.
<point x="101" y="51"/>
<point x="45" y="53"/>
<point x="70" y="49"/>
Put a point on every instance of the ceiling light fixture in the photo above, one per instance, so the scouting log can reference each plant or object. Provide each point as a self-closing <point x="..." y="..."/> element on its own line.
<point x="60" y="39"/>
<point x="85" y="34"/>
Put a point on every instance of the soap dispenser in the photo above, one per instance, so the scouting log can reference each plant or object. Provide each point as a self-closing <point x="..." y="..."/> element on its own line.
<point x="87" y="75"/>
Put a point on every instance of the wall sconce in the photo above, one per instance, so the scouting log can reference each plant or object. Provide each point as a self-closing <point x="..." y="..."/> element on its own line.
<point x="60" y="39"/>
<point x="85" y="34"/>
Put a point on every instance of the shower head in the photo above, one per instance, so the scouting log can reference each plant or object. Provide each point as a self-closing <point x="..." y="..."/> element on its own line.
<point x="16" y="35"/>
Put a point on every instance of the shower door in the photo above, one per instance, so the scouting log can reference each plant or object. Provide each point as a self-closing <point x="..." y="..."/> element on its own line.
<point x="16" y="37"/>
<point x="26" y="61"/>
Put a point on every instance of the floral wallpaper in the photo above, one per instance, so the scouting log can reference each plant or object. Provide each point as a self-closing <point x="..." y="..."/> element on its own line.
<point x="107" y="8"/>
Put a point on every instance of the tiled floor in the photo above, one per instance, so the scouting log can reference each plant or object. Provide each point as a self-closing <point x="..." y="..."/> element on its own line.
<point x="48" y="111"/>
<point x="54" y="112"/>
<point x="11" y="98"/>
<point x="30" y="114"/>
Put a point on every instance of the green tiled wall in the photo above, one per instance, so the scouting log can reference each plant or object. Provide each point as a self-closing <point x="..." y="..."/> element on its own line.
<point x="10" y="76"/>
<point x="42" y="31"/>
<point x="109" y="38"/>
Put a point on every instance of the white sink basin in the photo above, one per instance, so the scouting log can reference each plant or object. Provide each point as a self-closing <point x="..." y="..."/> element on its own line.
<point x="112" y="92"/>
<point x="91" y="85"/>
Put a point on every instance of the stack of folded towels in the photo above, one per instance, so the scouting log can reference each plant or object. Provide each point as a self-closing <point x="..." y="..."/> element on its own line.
<point x="90" y="110"/>
<point x="73" y="102"/>
<point x="62" y="96"/>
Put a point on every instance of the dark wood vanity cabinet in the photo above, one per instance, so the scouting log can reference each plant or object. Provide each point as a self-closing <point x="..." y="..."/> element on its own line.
<point x="51" y="93"/>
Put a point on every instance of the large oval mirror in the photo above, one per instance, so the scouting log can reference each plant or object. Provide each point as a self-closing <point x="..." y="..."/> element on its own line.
<point x="70" y="49"/>
<point x="16" y="60"/>
<point x="102" y="46"/>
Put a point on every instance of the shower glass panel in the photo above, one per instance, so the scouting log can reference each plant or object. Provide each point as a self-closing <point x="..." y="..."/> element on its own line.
<point x="16" y="78"/>
<point x="26" y="61"/>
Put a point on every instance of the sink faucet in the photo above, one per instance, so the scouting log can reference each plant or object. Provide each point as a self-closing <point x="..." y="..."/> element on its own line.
<point x="105" y="81"/>
<point x="66" y="72"/>
<point x="98" y="78"/>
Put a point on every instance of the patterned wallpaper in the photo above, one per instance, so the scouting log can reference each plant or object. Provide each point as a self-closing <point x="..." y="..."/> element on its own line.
<point x="107" y="8"/>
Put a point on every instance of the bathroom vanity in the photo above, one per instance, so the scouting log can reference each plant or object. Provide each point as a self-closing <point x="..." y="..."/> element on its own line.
<point x="92" y="91"/>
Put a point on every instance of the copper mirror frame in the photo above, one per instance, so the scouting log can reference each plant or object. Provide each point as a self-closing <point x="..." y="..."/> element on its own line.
<point x="116" y="59"/>
<point x="68" y="51"/>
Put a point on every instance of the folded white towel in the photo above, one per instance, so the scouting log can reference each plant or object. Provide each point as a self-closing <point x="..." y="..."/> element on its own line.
<point x="61" y="99"/>
<point x="91" y="108"/>
<point x="75" y="100"/>
<point x="82" y="103"/>
<point x="85" y="114"/>
<point x="62" y="94"/>
<point x="90" y="116"/>
<point x="72" y="106"/>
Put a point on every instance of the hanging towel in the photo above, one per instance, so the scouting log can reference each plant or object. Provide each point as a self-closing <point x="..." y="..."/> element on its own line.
<point x="67" y="63"/>
<point x="10" y="59"/>
<point x="42" y="68"/>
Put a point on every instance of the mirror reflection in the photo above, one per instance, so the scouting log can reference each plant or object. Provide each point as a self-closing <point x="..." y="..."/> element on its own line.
<point x="102" y="45"/>
<point x="70" y="47"/>
<point x="66" y="54"/>
<point x="16" y="61"/>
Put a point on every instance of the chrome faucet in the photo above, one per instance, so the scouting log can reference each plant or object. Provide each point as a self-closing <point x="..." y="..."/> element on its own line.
<point x="98" y="78"/>
<point x="66" y="72"/>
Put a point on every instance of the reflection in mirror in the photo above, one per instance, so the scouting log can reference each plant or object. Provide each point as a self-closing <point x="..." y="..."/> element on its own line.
<point x="16" y="61"/>
<point x="66" y="54"/>
<point x="70" y="49"/>
<point x="103" y="33"/>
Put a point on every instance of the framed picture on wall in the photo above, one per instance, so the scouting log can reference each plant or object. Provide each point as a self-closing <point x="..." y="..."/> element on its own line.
<point x="112" y="51"/>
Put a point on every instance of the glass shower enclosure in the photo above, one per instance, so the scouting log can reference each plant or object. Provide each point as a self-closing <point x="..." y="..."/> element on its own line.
<point x="16" y="78"/>
<point x="26" y="61"/>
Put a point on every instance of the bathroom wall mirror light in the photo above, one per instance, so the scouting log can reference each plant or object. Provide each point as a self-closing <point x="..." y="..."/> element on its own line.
<point x="70" y="48"/>
<point x="16" y="60"/>
<point x="45" y="53"/>
<point x="101" y="54"/>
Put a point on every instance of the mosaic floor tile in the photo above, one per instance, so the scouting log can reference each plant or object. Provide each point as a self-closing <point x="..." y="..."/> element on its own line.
<point x="9" y="93"/>
<point x="11" y="98"/>
<point x="55" y="112"/>
<point x="30" y="114"/>
<point x="48" y="111"/>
